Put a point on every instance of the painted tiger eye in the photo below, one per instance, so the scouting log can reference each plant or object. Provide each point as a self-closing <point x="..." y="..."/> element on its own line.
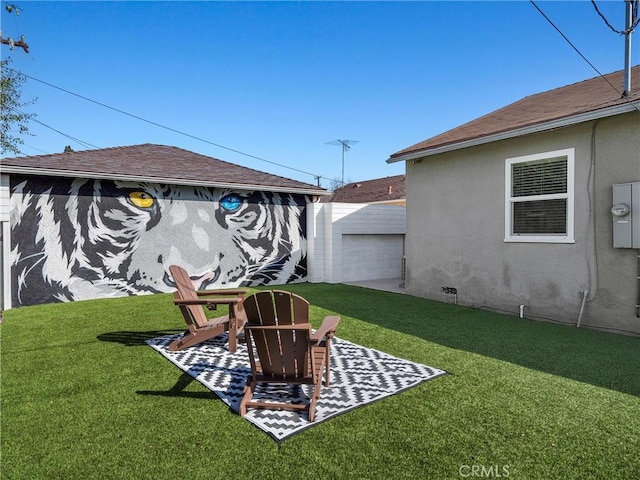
<point x="231" y="203"/>
<point x="141" y="199"/>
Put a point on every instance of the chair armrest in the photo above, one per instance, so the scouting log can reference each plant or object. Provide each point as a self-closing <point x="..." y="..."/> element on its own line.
<point x="327" y="329"/>
<point x="239" y="292"/>
<point x="208" y="301"/>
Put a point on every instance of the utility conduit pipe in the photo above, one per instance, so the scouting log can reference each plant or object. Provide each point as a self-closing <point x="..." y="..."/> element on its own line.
<point x="638" y="293"/>
<point x="585" y="294"/>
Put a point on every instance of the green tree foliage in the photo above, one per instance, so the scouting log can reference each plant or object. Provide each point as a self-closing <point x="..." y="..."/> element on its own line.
<point x="13" y="121"/>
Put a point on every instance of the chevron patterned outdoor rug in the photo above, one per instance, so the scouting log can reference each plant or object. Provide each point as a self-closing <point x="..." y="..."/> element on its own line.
<point x="359" y="376"/>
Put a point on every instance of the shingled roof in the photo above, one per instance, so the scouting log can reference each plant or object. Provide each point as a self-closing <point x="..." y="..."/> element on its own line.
<point x="379" y="190"/>
<point x="595" y="98"/>
<point x="154" y="163"/>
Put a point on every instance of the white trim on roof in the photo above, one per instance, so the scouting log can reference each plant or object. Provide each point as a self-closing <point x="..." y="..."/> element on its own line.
<point x="21" y="170"/>
<point x="519" y="132"/>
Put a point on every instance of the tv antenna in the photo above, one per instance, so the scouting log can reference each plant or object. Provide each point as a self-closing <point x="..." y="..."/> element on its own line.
<point x="346" y="145"/>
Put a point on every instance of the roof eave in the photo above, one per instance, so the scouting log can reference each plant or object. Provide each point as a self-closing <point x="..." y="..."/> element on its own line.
<point x="8" y="169"/>
<point x="519" y="132"/>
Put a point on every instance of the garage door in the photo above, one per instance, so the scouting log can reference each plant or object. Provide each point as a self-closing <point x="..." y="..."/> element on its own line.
<point x="371" y="257"/>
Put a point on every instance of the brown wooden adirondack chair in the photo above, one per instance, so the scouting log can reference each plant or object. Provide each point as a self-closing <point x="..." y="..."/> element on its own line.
<point x="192" y="303"/>
<point x="287" y="349"/>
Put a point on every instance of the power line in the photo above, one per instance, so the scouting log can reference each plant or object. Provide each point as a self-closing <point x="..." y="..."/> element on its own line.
<point x="634" y="24"/>
<point x="77" y="140"/>
<point x="167" y="128"/>
<point x="569" y="42"/>
<point x="34" y="148"/>
<point x="580" y="53"/>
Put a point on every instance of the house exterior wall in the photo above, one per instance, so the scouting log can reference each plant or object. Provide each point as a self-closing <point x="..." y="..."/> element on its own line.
<point x="75" y="239"/>
<point x="338" y="225"/>
<point x="455" y="230"/>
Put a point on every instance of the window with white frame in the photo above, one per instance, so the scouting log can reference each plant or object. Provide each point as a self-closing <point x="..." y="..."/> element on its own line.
<point x="539" y="197"/>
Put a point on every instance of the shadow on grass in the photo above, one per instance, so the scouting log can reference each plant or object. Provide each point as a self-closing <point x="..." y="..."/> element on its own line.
<point x="178" y="390"/>
<point x="602" y="359"/>
<point x="138" y="339"/>
<point x="134" y="339"/>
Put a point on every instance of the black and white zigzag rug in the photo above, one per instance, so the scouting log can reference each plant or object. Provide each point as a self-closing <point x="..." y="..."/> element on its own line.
<point x="359" y="376"/>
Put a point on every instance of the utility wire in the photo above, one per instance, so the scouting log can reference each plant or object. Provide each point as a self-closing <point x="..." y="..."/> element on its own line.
<point x="167" y="128"/>
<point x="77" y="140"/>
<point x="570" y="43"/>
<point x="580" y="53"/>
<point x="34" y="148"/>
<point x="634" y="23"/>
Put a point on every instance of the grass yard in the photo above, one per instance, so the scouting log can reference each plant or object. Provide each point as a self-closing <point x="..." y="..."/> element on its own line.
<point x="83" y="397"/>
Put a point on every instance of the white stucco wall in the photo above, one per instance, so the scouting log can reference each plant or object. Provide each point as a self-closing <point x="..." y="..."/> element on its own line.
<point x="374" y="231"/>
<point x="455" y="229"/>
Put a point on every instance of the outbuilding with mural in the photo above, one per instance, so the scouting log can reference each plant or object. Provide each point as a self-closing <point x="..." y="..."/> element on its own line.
<point x="110" y="222"/>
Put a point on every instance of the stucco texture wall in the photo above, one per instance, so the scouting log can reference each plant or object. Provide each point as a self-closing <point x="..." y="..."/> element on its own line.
<point x="77" y="239"/>
<point x="456" y="230"/>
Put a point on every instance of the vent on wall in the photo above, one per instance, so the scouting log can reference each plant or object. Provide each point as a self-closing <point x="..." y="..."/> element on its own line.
<point x="451" y="291"/>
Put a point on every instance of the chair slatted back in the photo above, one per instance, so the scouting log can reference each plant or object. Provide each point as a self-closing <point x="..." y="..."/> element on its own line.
<point x="276" y="307"/>
<point x="193" y="314"/>
<point x="283" y="350"/>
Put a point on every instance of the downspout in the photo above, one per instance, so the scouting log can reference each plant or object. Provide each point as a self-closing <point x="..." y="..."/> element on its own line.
<point x="2" y="273"/>
<point x="592" y="268"/>
<point x="585" y="294"/>
<point x="638" y="292"/>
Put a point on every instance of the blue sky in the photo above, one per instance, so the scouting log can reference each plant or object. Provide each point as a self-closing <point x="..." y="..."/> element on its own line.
<point x="278" y="80"/>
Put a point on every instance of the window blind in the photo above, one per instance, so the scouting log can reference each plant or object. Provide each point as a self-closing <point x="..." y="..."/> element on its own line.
<point x="540" y="217"/>
<point x="542" y="177"/>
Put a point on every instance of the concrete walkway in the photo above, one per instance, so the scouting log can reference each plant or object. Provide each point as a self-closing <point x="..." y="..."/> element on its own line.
<point x="387" y="284"/>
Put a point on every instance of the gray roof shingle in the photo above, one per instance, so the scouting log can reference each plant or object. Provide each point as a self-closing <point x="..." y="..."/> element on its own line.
<point x="158" y="163"/>
<point x="371" y="191"/>
<point x="589" y="96"/>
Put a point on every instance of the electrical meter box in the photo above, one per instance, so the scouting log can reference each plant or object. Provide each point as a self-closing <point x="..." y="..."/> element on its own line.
<point x="626" y="215"/>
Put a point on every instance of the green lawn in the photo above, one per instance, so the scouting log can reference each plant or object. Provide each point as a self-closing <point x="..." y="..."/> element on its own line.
<point x="84" y="397"/>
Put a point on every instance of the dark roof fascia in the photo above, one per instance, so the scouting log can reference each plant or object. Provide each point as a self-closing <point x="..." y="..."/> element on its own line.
<point x="519" y="132"/>
<point x="21" y="170"/>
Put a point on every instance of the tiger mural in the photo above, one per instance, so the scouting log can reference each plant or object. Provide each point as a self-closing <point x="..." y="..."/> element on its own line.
<point x="76" y="239"/>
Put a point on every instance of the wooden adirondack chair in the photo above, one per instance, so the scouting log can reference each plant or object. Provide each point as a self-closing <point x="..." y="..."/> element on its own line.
<point x="286" y="348"/>
<point x="192" y="302"/>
